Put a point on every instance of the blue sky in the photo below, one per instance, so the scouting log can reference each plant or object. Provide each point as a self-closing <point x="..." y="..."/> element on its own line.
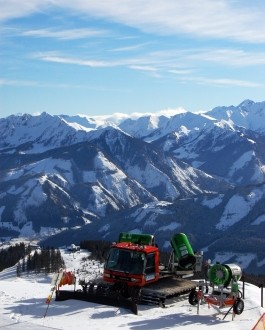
<point x="102" y="57"/>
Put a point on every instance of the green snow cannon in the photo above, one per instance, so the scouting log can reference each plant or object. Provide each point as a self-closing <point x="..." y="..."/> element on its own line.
<point x="220" y="274"/>
<point x="183" y="252"/>
<point x="142" y="239"/>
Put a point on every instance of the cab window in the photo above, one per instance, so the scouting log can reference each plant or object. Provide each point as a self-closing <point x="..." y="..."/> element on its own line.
<point x="150" y="263"/>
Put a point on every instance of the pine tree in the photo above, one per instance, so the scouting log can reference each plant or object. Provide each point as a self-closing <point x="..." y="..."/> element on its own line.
<point x="23" y="265"/>
<point x="18" y="269"/>
<point x="29" y="263"/>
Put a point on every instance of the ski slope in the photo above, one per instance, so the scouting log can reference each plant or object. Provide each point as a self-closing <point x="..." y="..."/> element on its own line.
<point x="22" y="306"/>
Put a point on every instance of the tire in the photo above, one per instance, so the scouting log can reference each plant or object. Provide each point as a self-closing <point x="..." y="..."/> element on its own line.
<point x="193" y="298"/>
<point x="238" y="306"/>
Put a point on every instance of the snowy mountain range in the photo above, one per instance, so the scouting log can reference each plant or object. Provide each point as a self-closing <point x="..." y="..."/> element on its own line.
<point x="67" y="178"/>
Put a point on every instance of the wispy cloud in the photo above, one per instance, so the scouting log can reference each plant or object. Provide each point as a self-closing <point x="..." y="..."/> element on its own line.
<point x="143" y="68"/>
<point x="136" y="63"/>
<point x="231" y="57"/>
<point x="182" y="63"/>
<point x="15" y="8"/>
<point x="30" y="83"/>
<point x="145" y="63"/>
<point x="129" y="48"/>
<point x="43" y="84"/>
<point x="118" y="117"/>
<point x="52" y="57"/>
<point x="70" y="34"/>
<point x="219" y="19"/>
<point x="151" y="70"/>
<point x="20" y="83"/>
<point x="222" y="82"/>
<point x="180" y="71"/>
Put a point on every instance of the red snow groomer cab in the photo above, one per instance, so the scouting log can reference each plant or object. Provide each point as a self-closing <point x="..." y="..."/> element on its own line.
<point x="134" y="261"/>
<point x="133" y="273"/>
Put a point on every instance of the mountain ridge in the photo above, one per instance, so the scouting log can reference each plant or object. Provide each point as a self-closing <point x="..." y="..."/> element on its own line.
<point x="62" y="176"/>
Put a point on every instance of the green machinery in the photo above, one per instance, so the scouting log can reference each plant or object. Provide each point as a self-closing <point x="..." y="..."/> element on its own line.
<point x="220" y="289"/>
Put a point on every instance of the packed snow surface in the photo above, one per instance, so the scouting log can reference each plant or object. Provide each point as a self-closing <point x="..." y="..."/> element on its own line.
<point x="23" y="307"/>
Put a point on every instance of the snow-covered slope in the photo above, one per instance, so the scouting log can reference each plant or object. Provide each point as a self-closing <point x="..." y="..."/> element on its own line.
<point x="99" y="175"/>
<point x="247" y="114"/>
<point x="23" y="307"/>
<point x="36" y="134"/>
<point x="76" y="184"/>
<point x="234" y="154"/>
<point x="228" y="226"/>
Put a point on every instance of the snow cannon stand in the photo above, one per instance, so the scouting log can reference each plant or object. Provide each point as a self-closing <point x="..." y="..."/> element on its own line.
<point x="183" y="261"/>
<point x="220" y="289"/>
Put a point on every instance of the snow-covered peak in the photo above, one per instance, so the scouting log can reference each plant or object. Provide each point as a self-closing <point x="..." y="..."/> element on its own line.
<point x="115" y="119"/>
<point x="248" y="114"/>
<point x="246" y="104"/>
<point x="88" y="123"/>
<point x="39" y="132"/>
<point x="184" y="122"/>
<point x="143" y="126"/>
